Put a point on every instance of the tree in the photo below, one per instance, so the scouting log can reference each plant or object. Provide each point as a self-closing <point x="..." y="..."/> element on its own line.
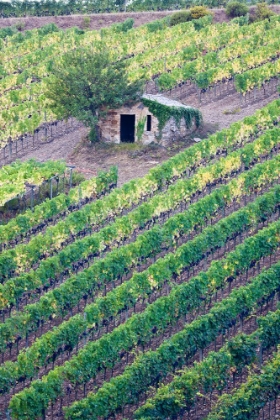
<point x="236" y="9"/>
<point x="85" y="84"/>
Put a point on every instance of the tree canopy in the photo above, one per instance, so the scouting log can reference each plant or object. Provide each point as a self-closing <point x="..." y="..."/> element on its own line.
<point x="85" y="84"/>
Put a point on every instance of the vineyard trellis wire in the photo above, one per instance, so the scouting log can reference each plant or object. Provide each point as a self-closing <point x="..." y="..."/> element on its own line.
<point x="42" y="135"/>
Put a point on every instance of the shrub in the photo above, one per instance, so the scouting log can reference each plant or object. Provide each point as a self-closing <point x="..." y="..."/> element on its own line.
<point x="236" y="9"/>
<point x="123" y="26"/>
<point x="198" y="12"/>
<point x="48" y="29"/>
<point x="180" y="17"/>
<point x="202" y="22"/>
<point x="78" y="31"/>
<point x="263" y="11"/>
<point x="158" y="25"/>
<point x="242" y="20"/>
<point x="86" y="22"/>
<point x="9" y="31"/>
<point x="20" y="26"/>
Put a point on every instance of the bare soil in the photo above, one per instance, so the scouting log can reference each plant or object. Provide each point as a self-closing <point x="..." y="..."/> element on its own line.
<point x="101" y="20"/>
<point x="97" y="21"/>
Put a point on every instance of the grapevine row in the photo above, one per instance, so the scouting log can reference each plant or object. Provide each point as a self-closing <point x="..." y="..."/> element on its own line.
<point x="127" y="294"/>
<point x="175" y="68"/>
<point x="22" y="224"/>
<point x="152" y="366"/>
<point x="252" y="396"/>
<point x="139" y="328"/>
<point x="118" y="262"/>
<point x="22" y="257"/>
<point x="136" y="41"/>
<point x="140" y="286"/>
<point x="213" y="373"/>
<point x="14" y="177"/>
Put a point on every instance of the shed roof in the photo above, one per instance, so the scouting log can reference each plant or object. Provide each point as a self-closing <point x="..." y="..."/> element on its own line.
<point x="165" y="101"/>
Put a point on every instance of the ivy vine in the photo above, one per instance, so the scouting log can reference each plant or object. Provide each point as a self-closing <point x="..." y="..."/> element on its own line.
<point x="164" y="112"/>
<point x="140" y="128"/>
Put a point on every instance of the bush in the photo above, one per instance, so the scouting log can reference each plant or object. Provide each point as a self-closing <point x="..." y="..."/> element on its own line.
<point x="20" y="26"/>
<point x="123" y="26"/>
<point x="127" y="24"/>
<point x="48" y="29"/>
<point x="236" y="9"/>
<point x="242" y="20"/>
<point x="194" y="13"/>
<point x="263" y="11"/>
<point x="86" y="22"/>
<point x="198" y="12"/>
<point x="180" y="17"/>
<point x="202" y="22"/>
<point x="158" y="25"/>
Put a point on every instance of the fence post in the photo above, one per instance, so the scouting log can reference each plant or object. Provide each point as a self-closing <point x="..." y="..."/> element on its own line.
<point x="71" y="167"/>
<point x="32" y="196"/>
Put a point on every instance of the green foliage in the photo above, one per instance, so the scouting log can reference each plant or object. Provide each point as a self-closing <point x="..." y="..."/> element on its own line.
<point x="93" y="134"/>
<point x="236" y="9"/>
<point x="86" y="83"/>
<point x="263" y="11"/>
<point x="20" y="25"/>
<point x="198" y="12"/>
<point x="13" y="178"/>
<point x="212" y="373"/>
<point x="186" y="16"/>
<point x="48" y="29"/>
<point x="151" y="242"/>
<point x="247" y="401"/>
<point x="78" y="31"/>
<point x="180" y="17"/>
<point x="50" y="208"/>
<point x="140" y="128"/>
<point x="194" y="13"/>
<point x="181" y="300"/>
<point x="154" y="365"/>
<point x="77" y="178"/>
<point x="164" y="113"/>
<point x="9" y="31"/>
<point x="158" y="25"/>
<point x="86" y="22"/>
<point x="241" y="21"/>
<point x="123" y="26"/>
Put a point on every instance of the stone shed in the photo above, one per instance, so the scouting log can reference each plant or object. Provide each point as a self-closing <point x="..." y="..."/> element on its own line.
<point x="155" y="118"/>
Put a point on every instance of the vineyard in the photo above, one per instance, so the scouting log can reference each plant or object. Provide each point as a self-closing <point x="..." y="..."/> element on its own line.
<point x="211" y="59"/>
<point x="154" y="300"/>
<point x="157" y="299"/>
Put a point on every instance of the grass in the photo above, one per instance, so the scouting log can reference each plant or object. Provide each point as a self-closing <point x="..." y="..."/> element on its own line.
<point x="232" y="112"/>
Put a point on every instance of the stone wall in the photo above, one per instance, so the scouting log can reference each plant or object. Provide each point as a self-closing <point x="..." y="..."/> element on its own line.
<point x="171" y="132"/>
<point x="110" y="127"/>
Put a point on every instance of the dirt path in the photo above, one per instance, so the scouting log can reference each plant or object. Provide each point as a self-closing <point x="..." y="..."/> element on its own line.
<point x="134" y="161"/>
<point x="97" y="21"/>
<point x="227" y="109"/>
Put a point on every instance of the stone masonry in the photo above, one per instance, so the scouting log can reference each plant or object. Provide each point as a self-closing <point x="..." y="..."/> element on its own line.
<point x="110" y="127"/>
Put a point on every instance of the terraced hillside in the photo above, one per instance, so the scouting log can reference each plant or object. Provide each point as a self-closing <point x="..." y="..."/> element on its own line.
<point x="155" y="300"/>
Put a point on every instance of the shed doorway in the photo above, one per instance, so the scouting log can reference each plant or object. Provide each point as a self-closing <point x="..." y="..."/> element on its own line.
<point x="128" y="128"/>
